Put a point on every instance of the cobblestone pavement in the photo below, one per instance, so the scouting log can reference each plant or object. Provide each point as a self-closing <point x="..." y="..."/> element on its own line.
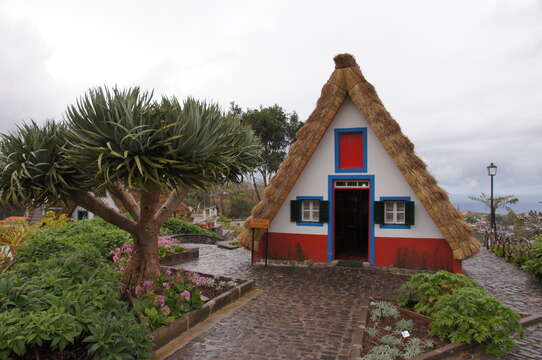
<point x="514" y="288"/>
<point x="304" y="313"/>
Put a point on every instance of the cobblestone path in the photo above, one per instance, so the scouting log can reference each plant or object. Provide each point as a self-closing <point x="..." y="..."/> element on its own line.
<point x="514" y="288"/>
<point x="304" y="313"/>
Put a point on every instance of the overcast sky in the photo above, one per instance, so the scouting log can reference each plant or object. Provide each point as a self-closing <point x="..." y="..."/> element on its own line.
<point x="462" y="78"/>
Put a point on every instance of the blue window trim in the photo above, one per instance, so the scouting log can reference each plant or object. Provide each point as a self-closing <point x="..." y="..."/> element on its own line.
<point x="304" y="223"/>
<point x="338" y="132"/>
<point x="394" y="226"/>
<point x="331" y="179"/>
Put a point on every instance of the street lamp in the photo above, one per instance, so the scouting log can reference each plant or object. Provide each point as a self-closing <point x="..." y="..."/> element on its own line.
<point x="492" y="171"/>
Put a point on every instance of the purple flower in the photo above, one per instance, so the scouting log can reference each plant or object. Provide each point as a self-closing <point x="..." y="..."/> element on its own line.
<point x="166" y="285"/>
<point x="166" y="310"/>
<point x="201" y="280"/>
<point x="148" y="283"/>
<point x="160" y="299"/>
<point x="185" y="295"/>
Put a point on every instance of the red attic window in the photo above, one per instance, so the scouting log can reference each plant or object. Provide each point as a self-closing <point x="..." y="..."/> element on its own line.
<point x="351" y="150"/>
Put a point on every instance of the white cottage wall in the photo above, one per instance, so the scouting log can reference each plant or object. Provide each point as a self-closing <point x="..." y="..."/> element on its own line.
<point x="389" y="181"/>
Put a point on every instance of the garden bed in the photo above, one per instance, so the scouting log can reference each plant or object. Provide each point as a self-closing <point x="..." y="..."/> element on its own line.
<point x="392" y="332"/>
<point x="180" y="257"/>
<point x="215" y="298"/>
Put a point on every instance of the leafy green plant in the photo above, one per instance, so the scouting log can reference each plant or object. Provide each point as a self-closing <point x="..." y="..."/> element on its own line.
<point x="425" y="289"/>
<point x="382" y="352"/>
<point x="67" y="300"/>
<point x="404" y="324"/>
<point x="383" y="309"/>
<point x="534" y="263"/>
<point x="472" y="315"/>
<point x="390" y="340"/>
<point x="168" y="297"/>
<point x="174" y="226"/>
<point x="371" y="331"/>
<point x="412" y="348"/>
<point x="96" y="232"/>
<point x="14" y="234"/>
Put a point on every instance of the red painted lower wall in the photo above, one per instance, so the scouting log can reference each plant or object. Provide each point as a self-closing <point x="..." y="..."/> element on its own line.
<point x="295" y="246"/>
<point x="419" y="253"/>
<point x="411" y="253"/>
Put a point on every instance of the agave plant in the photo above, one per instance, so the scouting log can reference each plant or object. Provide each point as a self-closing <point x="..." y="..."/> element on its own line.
<point x="119" y="140"/>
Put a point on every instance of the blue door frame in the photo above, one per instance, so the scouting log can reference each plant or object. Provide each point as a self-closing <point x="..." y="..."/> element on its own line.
<point x="330" y="235"/>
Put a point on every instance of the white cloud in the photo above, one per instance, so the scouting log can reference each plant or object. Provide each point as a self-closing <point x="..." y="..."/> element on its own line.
<point x="463" y="78"/>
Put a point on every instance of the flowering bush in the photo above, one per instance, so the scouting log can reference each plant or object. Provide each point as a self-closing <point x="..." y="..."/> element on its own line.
<point x="167" y="297"/>
<point x="166" y="246"/>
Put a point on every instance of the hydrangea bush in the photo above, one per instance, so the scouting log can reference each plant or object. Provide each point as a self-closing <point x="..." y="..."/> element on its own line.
<point x="167" y="297"/>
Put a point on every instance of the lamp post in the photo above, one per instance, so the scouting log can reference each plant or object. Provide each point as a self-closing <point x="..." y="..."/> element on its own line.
<point x="492" y="171"/>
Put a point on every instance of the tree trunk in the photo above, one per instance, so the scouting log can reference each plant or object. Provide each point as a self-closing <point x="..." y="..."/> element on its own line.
<point x="145" y="262"/>
<point x="256" y="188"/>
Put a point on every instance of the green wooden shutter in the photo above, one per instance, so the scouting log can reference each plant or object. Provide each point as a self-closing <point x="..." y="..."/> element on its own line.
<point x="295" y="210"/>
<point x="379" y="212"/>
<point x="324" y="206"/>
<point x="409" y="213"/>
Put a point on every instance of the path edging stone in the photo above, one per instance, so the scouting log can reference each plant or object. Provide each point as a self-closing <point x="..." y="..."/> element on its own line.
<point x="165" y="334"/>
<point x="181" y="257"/>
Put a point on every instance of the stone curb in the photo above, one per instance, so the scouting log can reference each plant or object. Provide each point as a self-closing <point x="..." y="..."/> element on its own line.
<point x="196" y="239"/>
<point x="178" y="258"/>
<point x="226" y="245"/>
<point x="363" y="265"/>
<point x="357" y="335"/>
<point x="165" y="334"/>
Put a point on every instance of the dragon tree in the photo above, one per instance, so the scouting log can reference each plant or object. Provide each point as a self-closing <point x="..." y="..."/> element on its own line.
<point x="123" y="140"/>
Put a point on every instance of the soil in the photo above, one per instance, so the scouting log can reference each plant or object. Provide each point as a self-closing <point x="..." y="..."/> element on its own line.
<point x="420" y="330"/>
<point x="214" y="292"/>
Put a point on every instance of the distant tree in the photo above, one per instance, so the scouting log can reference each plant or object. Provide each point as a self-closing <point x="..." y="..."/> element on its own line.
<point x="276" y="131"/>
<point x="498" y="202"/>
<point x="122" y="140"/>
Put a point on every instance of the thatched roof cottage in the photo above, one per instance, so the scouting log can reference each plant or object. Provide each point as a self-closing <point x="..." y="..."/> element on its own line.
<point x="353" y="188"/>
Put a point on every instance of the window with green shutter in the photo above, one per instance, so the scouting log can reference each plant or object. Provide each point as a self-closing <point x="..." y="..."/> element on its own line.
<point x="309" y="211"/>
<point x="394" y="212"/>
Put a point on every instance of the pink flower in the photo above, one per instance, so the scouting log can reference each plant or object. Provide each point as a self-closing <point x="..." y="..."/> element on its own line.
<point x="116" y="258"/>
<point x="166" y="310"/>
<point x="168" y="272"/>
<point x="178" y="277"/>
<point x="185" y="295"/>
<point x="121" y="269"/>
<point x="160" y="299"/>
<point x="127" y="248"/>
<point x="138" y="290"/>
<point x="166" y="285"/>
<point x="148" y="283"/>
<point x="201" y="280"/>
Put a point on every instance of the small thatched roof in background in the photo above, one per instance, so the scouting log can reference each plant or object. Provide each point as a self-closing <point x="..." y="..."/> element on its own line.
<point x="347" y="80"/>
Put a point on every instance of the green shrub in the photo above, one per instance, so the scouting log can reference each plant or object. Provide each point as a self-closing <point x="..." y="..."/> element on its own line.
<point x="472" y="315"/>
<point x="174" y="226"/>
<point x="65" y="301"/>
<point x="425" y="289"/>
<point x="103" y="236"/>
<point x="534" y="262"/>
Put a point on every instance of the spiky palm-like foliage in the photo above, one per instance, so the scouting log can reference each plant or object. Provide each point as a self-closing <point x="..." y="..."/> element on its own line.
<point x="123" y="139"/>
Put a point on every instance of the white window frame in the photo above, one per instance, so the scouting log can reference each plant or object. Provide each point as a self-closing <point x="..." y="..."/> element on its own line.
<point x="310" y="210"/>
<point x="393" y="207"/>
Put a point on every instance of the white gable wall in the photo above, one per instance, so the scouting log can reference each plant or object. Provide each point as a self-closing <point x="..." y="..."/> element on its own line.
<point x="389" y="181"/>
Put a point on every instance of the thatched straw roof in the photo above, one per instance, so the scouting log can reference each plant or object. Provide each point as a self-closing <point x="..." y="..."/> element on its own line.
<point x="347" y="80"/>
